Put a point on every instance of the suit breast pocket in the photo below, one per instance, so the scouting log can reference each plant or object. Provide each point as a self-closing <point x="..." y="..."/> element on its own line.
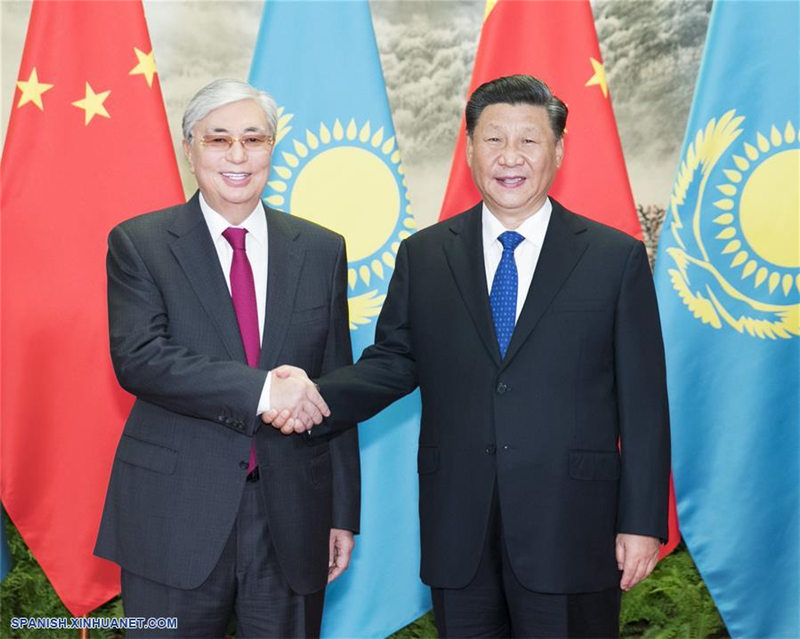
<point x="588" y="317"/>
<point x="582" y="306"/>
<point x="313" y="315"/>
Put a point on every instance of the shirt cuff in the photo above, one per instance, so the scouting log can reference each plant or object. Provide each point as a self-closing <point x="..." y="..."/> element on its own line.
<point x="263" y="401"/>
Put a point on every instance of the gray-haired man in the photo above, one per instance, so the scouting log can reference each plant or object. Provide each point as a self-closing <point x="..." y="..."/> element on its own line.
<point x="208" y="514"/>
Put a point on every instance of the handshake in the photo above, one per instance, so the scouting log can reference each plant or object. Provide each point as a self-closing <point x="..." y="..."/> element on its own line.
<point x="295" y="403"/>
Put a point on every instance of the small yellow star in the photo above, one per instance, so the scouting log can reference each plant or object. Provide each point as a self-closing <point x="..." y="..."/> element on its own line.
<point x="93" y="104"/>
<point x="599" y="77"/>
<point x="32" y="90"/>
<point x="146" y="66"/>
<point x="489" y="6"/>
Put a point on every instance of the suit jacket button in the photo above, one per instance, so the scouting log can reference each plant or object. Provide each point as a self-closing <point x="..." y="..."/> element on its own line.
<point x="502" y="388"/>
<point x="490" y="449"/>
<point x="243" y="465"/>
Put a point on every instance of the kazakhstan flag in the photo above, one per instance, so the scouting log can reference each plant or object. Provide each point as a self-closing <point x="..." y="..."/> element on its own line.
<point x="5" y="555"/>
<point x="728" y="278"/>
<point x="336" y="163"/>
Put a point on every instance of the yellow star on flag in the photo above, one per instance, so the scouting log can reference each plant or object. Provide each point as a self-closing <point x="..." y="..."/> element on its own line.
<point x="146" y="66"/>
<point x="93" y="104"/>
<point x="599" y="77"/>
<point x="32" y="90"/>
<point x="489" y="6"/>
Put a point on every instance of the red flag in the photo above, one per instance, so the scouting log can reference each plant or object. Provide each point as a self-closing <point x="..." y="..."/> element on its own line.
<point x="556" y="41"/>
<point x="88" y="146"/>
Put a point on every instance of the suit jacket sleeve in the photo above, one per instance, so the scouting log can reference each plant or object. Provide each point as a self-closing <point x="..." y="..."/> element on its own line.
<point x="344" y="446"/>
<point x="386" y="370"/>
<point x="150" y="365"/>
<point x="642" y="403"/>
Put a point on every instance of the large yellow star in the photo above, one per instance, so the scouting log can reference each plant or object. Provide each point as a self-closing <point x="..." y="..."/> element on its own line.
<point x="93" y="104"/>
<point x="32" y="90"/>
<point x="146" y="66"/>
<point x="599" y="77"/>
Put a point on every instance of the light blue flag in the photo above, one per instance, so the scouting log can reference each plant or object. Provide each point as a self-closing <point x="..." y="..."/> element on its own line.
<point x="5" y="555"/>
<point x="728" y="278"/>
<point x="336" y="162"/>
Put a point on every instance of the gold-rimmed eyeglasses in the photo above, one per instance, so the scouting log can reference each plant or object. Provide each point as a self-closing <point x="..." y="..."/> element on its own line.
<point x="252" y="142"/>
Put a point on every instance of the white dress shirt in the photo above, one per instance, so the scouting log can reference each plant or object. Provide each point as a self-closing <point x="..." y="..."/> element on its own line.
<point x="526" y="254"/>
<point x="257" y="248"/>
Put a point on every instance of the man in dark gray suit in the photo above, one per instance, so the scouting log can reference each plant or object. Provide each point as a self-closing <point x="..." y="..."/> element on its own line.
<point x="207" y="513"/>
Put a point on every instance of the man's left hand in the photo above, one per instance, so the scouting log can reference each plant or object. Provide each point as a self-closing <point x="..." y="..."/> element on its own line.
<point x="341" y="547"/>
<point x="637" y="555"/>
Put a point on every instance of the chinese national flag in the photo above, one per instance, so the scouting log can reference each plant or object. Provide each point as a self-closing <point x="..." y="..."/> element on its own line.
<point x="555" y="41"/>
<point x="88" y="146"/>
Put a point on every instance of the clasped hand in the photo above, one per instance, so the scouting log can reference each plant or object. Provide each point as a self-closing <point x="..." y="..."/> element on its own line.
<point x="295" y="403"/>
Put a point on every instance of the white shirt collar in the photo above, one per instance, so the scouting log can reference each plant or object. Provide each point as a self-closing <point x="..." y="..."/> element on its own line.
<point x="255" y="223"/>
<point x="532" y="229"/>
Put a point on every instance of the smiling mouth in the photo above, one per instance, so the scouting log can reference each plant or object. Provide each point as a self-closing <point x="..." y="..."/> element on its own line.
<point x="235" y="178"/>
<point x="510" y="181"/>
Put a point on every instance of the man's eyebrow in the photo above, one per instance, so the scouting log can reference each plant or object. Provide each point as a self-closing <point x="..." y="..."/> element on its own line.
<point x="250" y="129"/>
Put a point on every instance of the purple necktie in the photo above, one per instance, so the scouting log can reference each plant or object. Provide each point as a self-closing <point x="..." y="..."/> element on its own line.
<point x="243" y="293"/>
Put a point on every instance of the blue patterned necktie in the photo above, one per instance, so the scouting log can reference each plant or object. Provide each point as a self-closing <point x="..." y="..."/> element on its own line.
<point x="503" y="297"/>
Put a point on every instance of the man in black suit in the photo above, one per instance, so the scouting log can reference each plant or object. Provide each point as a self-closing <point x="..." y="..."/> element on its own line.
<point x="533" y="335"/>
<point x="209" y="514"/>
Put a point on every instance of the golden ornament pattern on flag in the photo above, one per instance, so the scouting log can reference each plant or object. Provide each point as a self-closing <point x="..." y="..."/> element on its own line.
<point x="350" y="179"/>
<point x="737" y="259"/>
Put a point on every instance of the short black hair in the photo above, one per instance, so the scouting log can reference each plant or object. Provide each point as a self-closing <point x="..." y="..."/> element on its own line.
<point x="517" y="89"/>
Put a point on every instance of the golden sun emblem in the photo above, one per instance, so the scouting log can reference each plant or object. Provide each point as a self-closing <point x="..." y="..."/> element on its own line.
<point x="741" y="266"/>
<point x="349" y="179"/>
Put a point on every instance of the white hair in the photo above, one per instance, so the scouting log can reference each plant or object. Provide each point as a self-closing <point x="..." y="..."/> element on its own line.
<point x="225" y="91"/>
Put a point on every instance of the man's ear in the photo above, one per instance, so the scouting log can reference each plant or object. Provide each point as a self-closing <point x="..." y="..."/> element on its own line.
<point x="187" y="151"/>
<point x="559" y="151"/>
<point x="469" y="150"/>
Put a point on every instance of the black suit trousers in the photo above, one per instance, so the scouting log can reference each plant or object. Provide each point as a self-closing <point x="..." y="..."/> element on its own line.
<point x="496" y="604"/>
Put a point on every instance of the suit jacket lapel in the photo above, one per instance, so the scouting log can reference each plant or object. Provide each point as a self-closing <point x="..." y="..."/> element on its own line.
<point x="285" y="263"/>
<point x="465" y="257"/>
<point x="197" y="256"/>
<point x="563" y="247"/>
